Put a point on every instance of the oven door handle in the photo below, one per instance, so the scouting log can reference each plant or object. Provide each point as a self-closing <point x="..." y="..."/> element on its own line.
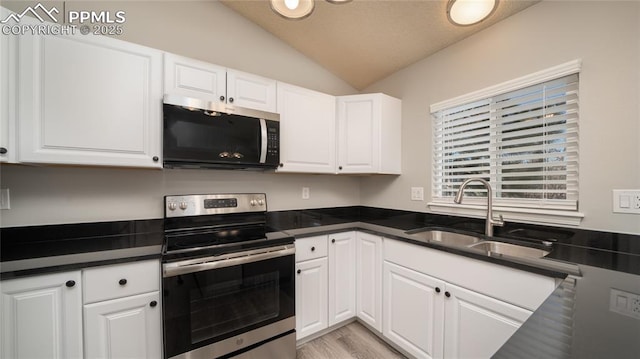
<point x="233" y="259"/>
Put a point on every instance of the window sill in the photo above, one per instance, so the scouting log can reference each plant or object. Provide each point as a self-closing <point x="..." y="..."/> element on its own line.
<point x="523" y="215"/>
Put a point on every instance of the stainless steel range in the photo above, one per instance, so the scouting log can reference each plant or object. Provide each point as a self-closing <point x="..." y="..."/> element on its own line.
<point x="228" y="281"/>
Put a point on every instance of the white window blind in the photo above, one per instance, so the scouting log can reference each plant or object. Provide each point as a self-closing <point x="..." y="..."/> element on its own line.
<point x="524" y="142"/>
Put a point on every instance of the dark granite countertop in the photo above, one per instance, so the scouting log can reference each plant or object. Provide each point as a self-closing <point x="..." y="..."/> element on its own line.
<point x="35" y="248"/>
<point x="42" y="249"/>
<point x="613" y="251"/>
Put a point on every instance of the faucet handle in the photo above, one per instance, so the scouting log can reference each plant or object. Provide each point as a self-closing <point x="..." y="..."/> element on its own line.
<point x="498" y="222"/>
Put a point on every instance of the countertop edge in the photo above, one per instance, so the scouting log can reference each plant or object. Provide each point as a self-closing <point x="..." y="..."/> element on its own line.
<point x="549" y="267"/>
<point x="45" y="265"/>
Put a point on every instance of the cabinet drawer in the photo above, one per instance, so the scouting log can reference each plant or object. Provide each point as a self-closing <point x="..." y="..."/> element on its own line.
<point x="311" y="248"/>
<point x="120" y="280"/>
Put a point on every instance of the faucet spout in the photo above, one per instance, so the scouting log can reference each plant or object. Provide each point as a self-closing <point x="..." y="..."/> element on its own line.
<point x="490" y="220"/>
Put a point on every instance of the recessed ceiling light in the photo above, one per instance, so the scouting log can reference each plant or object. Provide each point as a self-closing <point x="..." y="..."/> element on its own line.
<point x="469" y="12"/>
<point x="293" y="9"/>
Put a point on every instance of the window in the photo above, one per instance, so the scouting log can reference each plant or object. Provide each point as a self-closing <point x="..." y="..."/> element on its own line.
<point x="522" y="137"/>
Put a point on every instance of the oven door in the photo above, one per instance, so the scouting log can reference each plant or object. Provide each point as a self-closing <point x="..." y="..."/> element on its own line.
<point x="219" y="305"/>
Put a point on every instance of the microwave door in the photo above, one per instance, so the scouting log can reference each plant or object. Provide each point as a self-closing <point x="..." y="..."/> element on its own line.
<point x="225" y="139"/>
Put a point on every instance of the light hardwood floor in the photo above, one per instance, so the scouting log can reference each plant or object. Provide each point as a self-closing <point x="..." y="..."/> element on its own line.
<point x="350" y="341"/>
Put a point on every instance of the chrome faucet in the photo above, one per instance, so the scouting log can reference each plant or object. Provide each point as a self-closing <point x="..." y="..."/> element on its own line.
<point x="488" y="231"/>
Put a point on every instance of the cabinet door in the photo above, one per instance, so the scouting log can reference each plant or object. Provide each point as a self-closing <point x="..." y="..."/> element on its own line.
<point x="311" y="297"/>
<point x="129" y="327"/>
<point x="369" y="279"/>
<point x="413" y="311"/>
<point x="476" y="325"/>
<point x="358" y="132"/>
<point x="307" y="130"/>
<point x="42" y="317"/>
<point x="8" y="70"/>
<point x="251" y="91"/>
<point x="192" y="78"/>
<point x="89" y="100"/>
<point x="342" y="277"/>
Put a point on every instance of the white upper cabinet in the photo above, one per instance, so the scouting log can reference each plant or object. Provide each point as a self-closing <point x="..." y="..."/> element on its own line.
<point x="307" y="130"/>
<point x="251" y="91"/>
<point x="192" y="78"/>
<point x="369" y="134"/>
<point x="8" y="70"/>
<point x="198" y="79"/>
<point x="89" y="100"/>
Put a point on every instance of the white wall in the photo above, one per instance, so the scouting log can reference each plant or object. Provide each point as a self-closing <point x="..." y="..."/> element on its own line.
<point x="604" y="34"/>
<point x="208" y="31"/>
<point x="48" y="195"/>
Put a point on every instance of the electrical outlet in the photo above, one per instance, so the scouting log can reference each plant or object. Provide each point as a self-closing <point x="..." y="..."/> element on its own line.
<point x="625" y="303"/>
<point x="305" y="192"/>
<point x="417" y="193"/>
<point x="5" y="200"/>
<point x="626" y="201"/>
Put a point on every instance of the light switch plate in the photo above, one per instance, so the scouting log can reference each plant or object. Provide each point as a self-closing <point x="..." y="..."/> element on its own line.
<point x="417" y="193"/>
<point x="626" y="201"/>
<point x="5" y="201"/>
<point x="305" y="193"/>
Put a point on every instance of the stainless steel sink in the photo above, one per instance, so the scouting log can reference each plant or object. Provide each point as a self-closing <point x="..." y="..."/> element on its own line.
<point x="448" y="238"/>
<point x="492" y="248"/>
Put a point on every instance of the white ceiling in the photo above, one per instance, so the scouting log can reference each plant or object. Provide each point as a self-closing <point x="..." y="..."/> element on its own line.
<point x="364" y="41"/>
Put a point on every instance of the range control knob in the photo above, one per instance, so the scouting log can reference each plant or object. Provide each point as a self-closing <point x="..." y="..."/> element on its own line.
<point x="261" y="202"/>
<point x="172" y="206"/>
<point x="183" y="205"/>
<point x="253" y="203"/>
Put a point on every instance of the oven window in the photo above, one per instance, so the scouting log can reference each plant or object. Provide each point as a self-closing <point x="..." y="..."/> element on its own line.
<point x="234" y="303"/>
<point x="205" y="307"/>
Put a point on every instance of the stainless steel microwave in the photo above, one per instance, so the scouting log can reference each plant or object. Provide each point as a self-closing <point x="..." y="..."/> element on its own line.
<point x="203" y="134"/>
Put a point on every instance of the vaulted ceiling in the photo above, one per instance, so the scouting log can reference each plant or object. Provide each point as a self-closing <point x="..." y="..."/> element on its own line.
<point x="364" y="41"/>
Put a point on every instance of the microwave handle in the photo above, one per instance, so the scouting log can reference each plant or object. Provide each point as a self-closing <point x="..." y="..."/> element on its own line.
<point x="263" y="140"/>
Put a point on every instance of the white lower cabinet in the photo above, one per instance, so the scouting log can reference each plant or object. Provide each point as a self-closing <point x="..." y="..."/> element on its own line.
<point x="124" y="328"/>
<point x="311" y="297"/>
<point x="42" y="317"/>
<point x="413" y="311"/>
<point x="428" y="303"/>
<point x="342" y="277"/>
<point x="124" y="321"/>
<point x="428" y="316"/>
<point x="325" y="282"/>
<point x="369" y="279"/>
<point x="476" y="326"/>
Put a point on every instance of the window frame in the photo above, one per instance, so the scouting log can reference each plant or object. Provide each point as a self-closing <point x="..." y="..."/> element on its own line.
<point x="513" y="210"/>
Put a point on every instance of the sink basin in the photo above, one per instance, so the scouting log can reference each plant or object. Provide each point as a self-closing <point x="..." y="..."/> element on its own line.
<point x="449" y="238"/>
<point x="493" y="248"/>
